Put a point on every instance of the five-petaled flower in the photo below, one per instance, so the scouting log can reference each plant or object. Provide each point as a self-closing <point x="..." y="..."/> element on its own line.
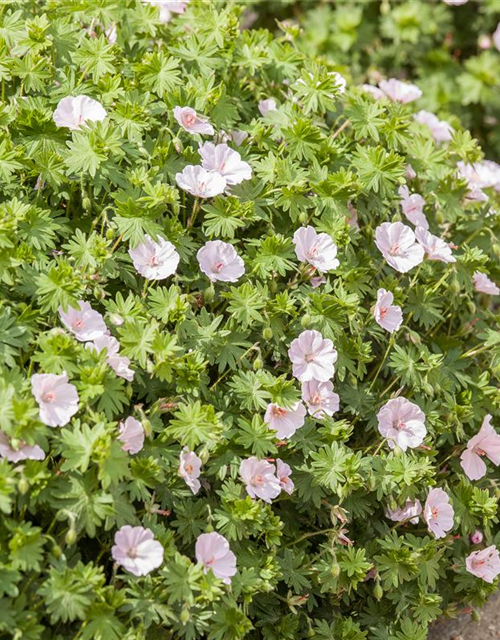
<point x="313" y="357"/>
<point x="225" y="161"/>
<point x="320" y="398"/>
<point x="283" y="472"/>
<point x="219" y="261"/>
<point x="398" y="91"/>
<point x="389" y="316"/>
<point x="285" y="421"/>
<point x="397" y="243"/>
<point x="413" y="207"/>
<point x="317" y="249"/>
<point x="84" y="323"/>
<point x="72" y="112"/>
<point x="435" y="248"/>
<point x="486" y="443"/>
<point x="441" y="130"/>
<point x="131" y="435"/>
<point x="21" y="451"/>
<point x="410" y="512"/>
<point x="155" y="259"/>
<point x="193" y="123"/>
<point x="199" y="182"/>
<point x="402" y="423"/>
<point x="484" y="564"/>
<point x="438" y="513"/>
<point x="213" y="552"/>
<point x="483" y="284"/>
<point x="260" y="479"/>
<point x="56" y="397"/>
<point x="136" y="550"/>
<point x="190" y="469"/>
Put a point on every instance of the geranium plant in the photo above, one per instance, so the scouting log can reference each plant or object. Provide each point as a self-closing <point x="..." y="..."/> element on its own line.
<point x="249" y="338"/>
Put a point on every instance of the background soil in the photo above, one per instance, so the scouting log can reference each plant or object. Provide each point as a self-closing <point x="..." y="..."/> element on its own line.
<point x="463" y="628"/>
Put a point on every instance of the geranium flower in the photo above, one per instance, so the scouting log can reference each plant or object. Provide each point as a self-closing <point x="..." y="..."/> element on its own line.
<point x="313" y="357"/>
<point x="219" y="261"/>
<point x="226" y="161"/>
<point x="410" y="512"/>
<point x="476" y="537"/>
<point x="191" y="122"/>
<point x="482" y="175"/>
<point x="435" y="248"/>
<point x="136" y="550"/>
<point x="485" y="443"/>
<point x="396" y="242"/>
<point x="56" y="398"/>
<point x="73" y="112"/>
<point x="167" y="8"/>
<point x="410" y="172"/>
<point x="398" y="91"/>
<point x="438" y="513"/>
<point x="285" y="421"/>
<point x="260" y="479"/>
<point x="265" y="106"/>
<point x="413" y="207"/>
<point x="320" y="398"/>
<point x="283" y="471"/>
<point x="496" y="37"/>
<point x="111" y="34"/>
<point x="402" y="423"/>
<point x="213" y="552"/>
<point x="84" y="323"/>
<point x="352" y="217"/>
<point x="455" y="3"/>
<point x="484" y="285"/>
<point x="377" y="93"/>
<point x="199" y="182"/>
<point x="155" y="260"/>
<point x="131" y="435"/>
<point x="389" y="316"/>
<point x="317" y="281"/>
<point x="238" y="137"/>
<point x="317" y="249"/>
<point x="484" y="564"/>
<point x="22" y="451"/>
<point x="119" y="364"/>
<point x="441" y="130"/>
<point x="190" y="469"/>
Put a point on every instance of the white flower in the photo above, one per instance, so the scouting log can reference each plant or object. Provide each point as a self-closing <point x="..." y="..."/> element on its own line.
<point x="225" y="161"/>
<point x="155" y="260"/>
<point x="265" y="106"/>
<point x="199" y="182"/>
<point x="318" y="249"/>
<point x="72" y="112"/>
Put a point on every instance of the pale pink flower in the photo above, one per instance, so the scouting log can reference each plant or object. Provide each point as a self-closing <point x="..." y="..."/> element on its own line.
<point x="484" y="564"/>
<point x="238" y="137"/>
<point x="377" y="93"/>
<point x="484" y="42"/>
<point x="313" y="357"/>
<point x="410" y="172"/>
<point x="398" y="91"/>
<point x="167" y="8"/>
<point x="283" y="472"/>
<point x="484" y="285"/>
<point x="226" y="161"/>
<point x="219" y="261"/>
<point x="131" y="435"/>
<point x="480" y="175"/>
<point x="397" y="243"/>
<point x="72" y="112"/>
<point x="265" y="106"/>
<point x="496" y="37"/>
<point x="485" y="443"/>
<point x="56" y="398"/>
<point x="317" y="281"/>
<point x="260" y="479"/>
<point x="413" y="207"/>
<point x="435" y="248"/>
<point x="455" y="3"/>
<point x="317" y="249"/>
<point x="476" y="537"/>
<point x="438" y="513"/>
<point x="213" y="552"/>
<point x="155" y="259"/>
<point x="119" y="364"/>
<point x="352" y="217"/>
<point x="441" y="130"/>
<point x="285" y="421"/>
<point x="136" y="550"/>
<point x="389" y="316"/>
<point x="193" y="123"/>
<point x="84" y="323"/>
<point x="111" y="34"/>
<point x="320" y="398"/>
<point x="190" y="469"/>
<point x="201" y="183"/>
<point x="410" y="511"/>
<point x="21" y="451"/>
<point x="402" y="423"/>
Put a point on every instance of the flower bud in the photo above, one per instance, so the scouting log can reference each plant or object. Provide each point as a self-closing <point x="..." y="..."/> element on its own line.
<point x="495" y="247"/>
<point x="303" y="217"/>
<point x="273" y="286"/>
<point x="476" y="537"/>
<point x="257" y="364"/>
<point x="267" y="334"/>
<point x="56" y="551"/>
<point x="209" y="293"/>
<point x="70" y="537"/>
<point x="185" y="616"/>
<point x="305" y="321"/>
<point x="335" y="570"/>
<point x="378" y="592"/>
<point x="110" y="234"/>
<point x="86" y="204"/>
<point x="23" y="486"/>
<point x="475" y="615"/>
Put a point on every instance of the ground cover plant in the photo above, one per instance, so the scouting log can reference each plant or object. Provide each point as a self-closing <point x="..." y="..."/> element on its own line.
<point x="249" y="339"/>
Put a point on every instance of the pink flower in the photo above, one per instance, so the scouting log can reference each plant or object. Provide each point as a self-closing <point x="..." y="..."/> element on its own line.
<point x="72" y="112"/>
<point x="320" y="398"/>
<point x="413" y="207"/>
<point x="410" y="172"/>
<point x="485" y="443"/>
<point x="352" y="217"/>
<point x="21" y="451"/>
<point x="111" y="34"/>
<point x="377" y="93"/>
<point x="317" y="281"/>
<point x="283" y="471"/>
<point x="226" y="161"/>
<point x="441" y="130"/>
<point x="238" y="137"/>
<point x="455" y="3"/>
<point x="410" y="511"/>
<point x="84" y="323"/>
<point x="199" y="182"/>
<point x="484" y="564"/>
<point x="190" y="469"/>
<point x="313" y="357"/>
<point x="481" y="175"/>
<point x="193" y="123"/>
<point x="389" y="316"/>
<point x="402" y="423"/>
<point x="396" y="242"/>
<point x="317" y="249"/>
<point x="119" y="364"/>
<point x="496" y="37"/>
<point x="435" y="248"/>
<point x="265" y="106"/>
<point x="219" y="261"/>
<point x="484" y="285"/>
<point x="136" y="550"/>
<point x="155" y="260"/>
<point x="438" y="513"/>
<point x="131" y="435"/>
<point x="260" y="479"/>
<point x="213" y="552"/>
<point x="56" y="398"/>
<point x="476" y="537"/>
<point x="398" y="91"/>
<point x="285" y="421"/>
<point x="167" y="7"/>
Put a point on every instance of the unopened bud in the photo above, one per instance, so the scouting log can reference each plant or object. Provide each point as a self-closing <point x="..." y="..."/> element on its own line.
<point x="23" y="486"/>
<point x="267" y="334"/>
<point x="56" y="551"/>
<point x="70" y="537"/>
<point x="496" y="249"/>
<point x="110" y="234"/>
<point x="209" y="293"/>
<point x="273" y="286"/>
<point x="303" y="217"/>
<point x="378" y="592"/>
<point x="335" y="570"/>
<point x="475" y="615"/>
<point x="86" y="204"/>
<point x="305" y="321"/>
<point x="185" y="616"/>
<point x="257" y="364"/>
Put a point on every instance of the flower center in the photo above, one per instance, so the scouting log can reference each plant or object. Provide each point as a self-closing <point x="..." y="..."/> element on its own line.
<point x="219" y="266"/>
<point x="313" y="252"/>
<point x="257" y="480"/>
<point x="399" y="425"/>
<point x="383" y="312"/>
<point x="189" y="120"/>
<point x="394" y="250"/>
<point x="479" y="452"/>
<point x="315" y="399"/>
<point x="189" y="468"/>
<point x="434" y="512"/>
<point x="133" y="553"/>
<point x="278" y="412"/>
<point x="49" y="396"/>
<point x="309" y="357"/>
<point x="153" y="261"/>
<point x="77" y="324"/>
